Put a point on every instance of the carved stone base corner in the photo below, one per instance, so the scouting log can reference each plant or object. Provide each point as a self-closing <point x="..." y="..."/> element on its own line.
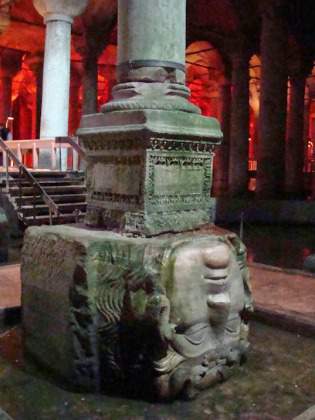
<point x="153" y="316"/>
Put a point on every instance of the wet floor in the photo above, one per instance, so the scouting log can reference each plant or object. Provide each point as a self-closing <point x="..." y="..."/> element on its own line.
<point x="278" y="245"/>
<point x="277" y="382"/>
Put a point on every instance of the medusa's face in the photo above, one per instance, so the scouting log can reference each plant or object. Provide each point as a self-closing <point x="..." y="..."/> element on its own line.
<point x="206" y="286"/>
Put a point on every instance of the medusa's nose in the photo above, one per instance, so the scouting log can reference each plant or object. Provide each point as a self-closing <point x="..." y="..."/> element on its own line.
<point x="217" y="257"/>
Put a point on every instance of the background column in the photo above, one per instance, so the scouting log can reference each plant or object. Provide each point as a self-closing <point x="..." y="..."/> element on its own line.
<point x="238" y="166"/>
<point x="273" y="99"/>
<point x="221" y="162"/>
<point x="58" y="16"/>
<point x="295" y="145"/>
<point x="10" y="64"/>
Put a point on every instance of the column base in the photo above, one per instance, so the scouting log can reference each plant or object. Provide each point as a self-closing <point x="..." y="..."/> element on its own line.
<point x="149" y="171"/>
<point x="153" y="316"/>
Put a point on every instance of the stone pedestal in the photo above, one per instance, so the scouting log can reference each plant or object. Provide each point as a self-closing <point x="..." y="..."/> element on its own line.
<point x="151" y="316"/>
<point x="149" y="171"/>
<point x="136" y="306"/>
<point x="149" y="152"/>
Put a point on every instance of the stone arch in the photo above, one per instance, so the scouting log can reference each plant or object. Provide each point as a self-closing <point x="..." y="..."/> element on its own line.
<point x="205" y="73"/>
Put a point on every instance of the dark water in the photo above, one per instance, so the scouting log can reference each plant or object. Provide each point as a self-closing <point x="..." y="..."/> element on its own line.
<point x="278" y="245"/>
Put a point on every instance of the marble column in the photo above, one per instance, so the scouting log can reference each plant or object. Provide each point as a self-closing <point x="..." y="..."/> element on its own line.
<point x="10" y="64"/>
<point x="90" y="82"/>
<point x="221" y="160"/>
<point x="151" y="57"/>
<point x="273" y="100"/>
<point x="307" y="110"/>
<point x="136" y="42"/>
<point x="58" y="16"/>
<point x="295" y="147"/>
<point x="238" y="159"/>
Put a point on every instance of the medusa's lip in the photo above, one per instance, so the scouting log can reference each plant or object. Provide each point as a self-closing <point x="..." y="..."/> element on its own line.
<point x="217" y="281"/>
<point x="216" y="277"/>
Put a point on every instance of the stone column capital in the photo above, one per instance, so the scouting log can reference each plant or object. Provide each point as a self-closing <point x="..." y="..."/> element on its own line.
<point x="61" y="10"/>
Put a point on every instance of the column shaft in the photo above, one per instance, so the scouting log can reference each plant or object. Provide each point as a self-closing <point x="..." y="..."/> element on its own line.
<point x="144" y="43"/>
<point x="272" y="124"/>
<point x="294" y="156"/>
<point x="221" y="162"/>
<point x="39" y="95"/>
<point x="5" y="98"/>
<point x="75" y="111"/>
<point x="90" y="83"/>
<point x="238" y="166"/>
<point x="56" y="79"/>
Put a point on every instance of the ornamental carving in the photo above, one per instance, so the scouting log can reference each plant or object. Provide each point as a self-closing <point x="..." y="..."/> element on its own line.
<point x="171" y="315"/>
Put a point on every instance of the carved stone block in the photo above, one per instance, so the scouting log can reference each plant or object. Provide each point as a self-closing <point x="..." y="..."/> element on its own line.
<point x="149" y="171"/>
<point x="164" y="316"/>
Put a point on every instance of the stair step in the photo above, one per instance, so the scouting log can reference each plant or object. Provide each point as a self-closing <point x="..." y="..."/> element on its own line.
<point x="45" y="220"/>
<point x="62" y="198"/>
<point x="48" y="183"/>
<point x="60" y="189"/>
<point x="43" y="209"/>
<point x="43" y="174"/>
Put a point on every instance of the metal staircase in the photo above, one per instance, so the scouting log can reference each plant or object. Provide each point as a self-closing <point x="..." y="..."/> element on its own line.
<point x="44" y="197"/>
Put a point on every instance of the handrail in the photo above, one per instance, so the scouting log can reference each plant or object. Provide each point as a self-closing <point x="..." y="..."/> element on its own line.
<point x="52" y="206"/>
<point x="75" y="145"/>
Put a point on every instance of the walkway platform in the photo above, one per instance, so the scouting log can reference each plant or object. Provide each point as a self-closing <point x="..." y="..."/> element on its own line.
<point x="10" y="286"/>
<point x="10" y="294"/>
<point x="284" y="298"/>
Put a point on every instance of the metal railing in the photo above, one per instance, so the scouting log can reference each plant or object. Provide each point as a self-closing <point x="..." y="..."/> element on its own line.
<point x="52" y="146"/>
<point x="25" y="174"/>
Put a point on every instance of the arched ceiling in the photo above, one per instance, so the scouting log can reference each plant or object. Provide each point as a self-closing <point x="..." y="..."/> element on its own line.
<point x="216" y="21"/>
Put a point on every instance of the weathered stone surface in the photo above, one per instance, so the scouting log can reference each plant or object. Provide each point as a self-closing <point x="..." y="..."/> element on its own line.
<point x="274" y="384"/>
<point x="149" y="171"/>
<point x="165" y="314"/>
